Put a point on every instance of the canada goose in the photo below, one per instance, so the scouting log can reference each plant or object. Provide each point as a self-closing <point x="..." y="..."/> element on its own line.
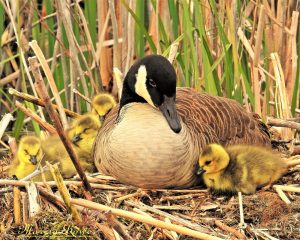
<point x="146" y="143"/>
<point x="102" y="103"/>
<point x="239" y="168"/>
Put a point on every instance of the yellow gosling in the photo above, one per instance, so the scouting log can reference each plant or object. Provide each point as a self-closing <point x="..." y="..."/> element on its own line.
<point x="29" y="155"/>
<point x="239" y="168"/>
<point x="102" y="103"/>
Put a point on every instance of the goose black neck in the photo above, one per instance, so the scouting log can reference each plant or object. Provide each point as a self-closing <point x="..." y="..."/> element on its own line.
<point x="128" y="96"/>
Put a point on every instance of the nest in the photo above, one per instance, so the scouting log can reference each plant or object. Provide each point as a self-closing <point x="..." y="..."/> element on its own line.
<point x="265" y="213"/>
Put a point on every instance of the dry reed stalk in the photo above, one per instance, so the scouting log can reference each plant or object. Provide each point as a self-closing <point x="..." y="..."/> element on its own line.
<point x="90" y="42"/>
<point x="41" y="89"/>
<point x="182" y="190"/>
<point x="119" y="227"/>
<point x="118" y="79"/>
<point x="292" y="163"/>
<point x="28" y="112"/>
<point x="242" y="223"/>
<point x="256" y="58"/>
<point x="173" y="52"/>
<point x="269" y="12"/>
<point x="282" y="195"/>
<point x="24" y="197"/>
<point x="4" y="123"/>
<point x="173" y="235"/>
<point x="40" y="102"/>
<point x="57" y="45"/>
<point x="259" y="36"/>
<point x="33" y="205"/>
<point x="12" y="61"/>
<point x="283" y="123"/>
<point x="116" y="51"/>
<point x="144" y="219"/>
<point x="130" y="38"/>
<point x="288" y="188"/>
<point x="121" y="28"/>
<point x="13" y="145"/>
<point x="176" y="207"/>
<point x="291" y="60"/>
<point x="22" y="183"/>
<point x="153" y="25"/>
<point x="17" y="205"/>
<point x="88" y="100"/>
<point x="4" y="145"/>
<point x="279" y="30"/>
<point x="282" y="100"/>
<point x="116" y="48"/>
<point x="176" y="219"/>
<point x="273" y="104"/>
<point x="9" y="78"/>
<point x="139" y="211"/>
<point x="137" y="193"/>
<point x="105" y="53"/>
<point x="174" y="198"/>
<point x="38" y="52"/>
<point x="107" y="232"/>
<point x="57" y="201"/>
<point x="21" y="52"/>
<point x="64" y="191"/>
<point x="64" y="13"/>
<point x="296" y="150"/>
<point x="231" y="230"/>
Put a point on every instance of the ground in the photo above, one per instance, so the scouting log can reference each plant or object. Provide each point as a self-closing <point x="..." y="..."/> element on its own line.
<point x="265" y="213"/>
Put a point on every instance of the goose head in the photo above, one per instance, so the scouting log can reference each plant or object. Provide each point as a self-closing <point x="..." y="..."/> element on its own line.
<point x="152" y="80"/>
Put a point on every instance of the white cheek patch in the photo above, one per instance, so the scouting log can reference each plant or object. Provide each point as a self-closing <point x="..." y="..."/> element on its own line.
<point x="140" y="85"/>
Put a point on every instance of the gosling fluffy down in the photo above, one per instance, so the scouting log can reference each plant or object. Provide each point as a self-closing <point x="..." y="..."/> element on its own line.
<point x="102" y="103"/>
<point x="29" y="156"/>
<point x="239" y="168"/>
<point x="83" y="131"/>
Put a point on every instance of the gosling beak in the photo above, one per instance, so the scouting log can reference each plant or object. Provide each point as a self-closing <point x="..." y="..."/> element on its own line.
<point x="76" y="138"/>
<point x="200" y="171"/>
<point x="33" y="160"/>
<point x="101" y="118"/>
<point x="168" y="108"/>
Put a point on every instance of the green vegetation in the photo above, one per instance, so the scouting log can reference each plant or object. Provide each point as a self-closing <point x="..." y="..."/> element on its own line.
<point x="224" y="49"/>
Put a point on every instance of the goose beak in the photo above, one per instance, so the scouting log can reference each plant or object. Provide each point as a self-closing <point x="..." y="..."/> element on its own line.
<point x="168" y="108"/>
<point x="33" y="160"/>
<point x="200" y="171"/>
<point x="102" y="118"/>
<point x="76" y="138"/>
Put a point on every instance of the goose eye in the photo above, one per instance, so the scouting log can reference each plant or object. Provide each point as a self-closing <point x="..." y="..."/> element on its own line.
<point x="207" y="162"/>
<point x="152" y="83"/>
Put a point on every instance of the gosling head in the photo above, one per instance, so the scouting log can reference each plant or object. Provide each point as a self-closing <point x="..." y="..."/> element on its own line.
<point x="102" y="103"/>
<point x="29" y="151"/>
<point x="213" y="159"/>
<point x="152" y="79"/>
<point x="84" y="128"/>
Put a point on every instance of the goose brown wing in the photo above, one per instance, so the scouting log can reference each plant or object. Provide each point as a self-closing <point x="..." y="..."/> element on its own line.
<point x="219" y="119"/>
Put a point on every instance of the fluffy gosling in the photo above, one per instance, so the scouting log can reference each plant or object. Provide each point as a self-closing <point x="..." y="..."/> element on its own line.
<point x="102" y="103"/>
<point x="239" y="168"/>
<point x="29" y="155"/>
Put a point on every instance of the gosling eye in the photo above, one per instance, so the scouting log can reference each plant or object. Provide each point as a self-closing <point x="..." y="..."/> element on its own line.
<point x="207" y="162"/>
<point x="84" y="130"/>
<point x="26" y="152"/>
<point x="152" y="83"/>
